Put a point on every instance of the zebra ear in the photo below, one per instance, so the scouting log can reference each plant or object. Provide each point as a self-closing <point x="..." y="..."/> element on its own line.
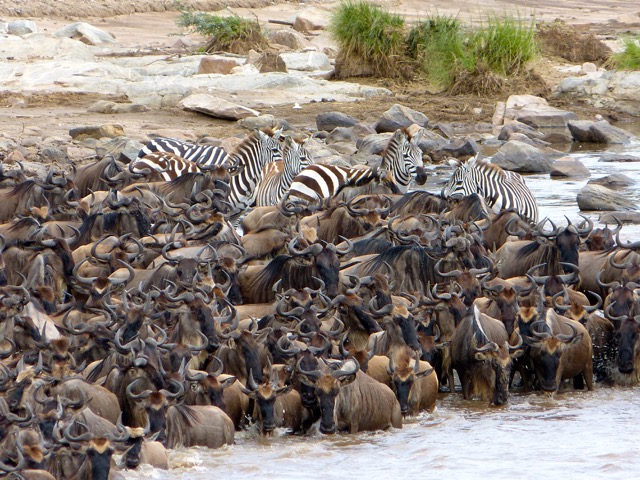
<point x="415" y="139"/>
<point x="455" y="163"/>
<point x="289" y="141"/>
<point x="277" y="133"/>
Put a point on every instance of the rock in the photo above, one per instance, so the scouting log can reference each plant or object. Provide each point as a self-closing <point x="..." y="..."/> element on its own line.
<point x="615" y="180"/>
<point x="108" y="130"/>
<point x="216" y="65"/>
<point x="342" y="134"/>
<point x="216" y="107"/>
<point x="597" y="132"/>
<point x="624" y="217"/>
<point x="518" y="127"/>
<point x="373" y="144"/>
<point x="271" y="61"/>
<point x="122" y="148"/>
<point x="306" y="61"/>
<point x="311" y="18"/>
<point x="85" y="33"/>
<point x="522" y="158"/>
<point x="589" y="67"/>
<point x="54" y="154"/>
<point x="259" y="122"/>
<point x="597" y="197"/>
<point x="569" y="167"/>
<point x="291" y="39"/>
<point x="534" y="111"/>
<point x="344" y="148"/>
<point x="329" y="120"/>
<point x="79" y="154"/>
<point x="105" y="106"/>
<point x="399" y="116"/>
<point x="430" y="141"/>
<point x="363" y="129"/>
<point x="613" y="157"/>
<point x="460" y="147"/>
<point x="21" y="27"/>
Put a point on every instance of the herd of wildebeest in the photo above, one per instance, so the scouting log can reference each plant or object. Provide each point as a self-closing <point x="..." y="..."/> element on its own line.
<point x="135" y="318"/>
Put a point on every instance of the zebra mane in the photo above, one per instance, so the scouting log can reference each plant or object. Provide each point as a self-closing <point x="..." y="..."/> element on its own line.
<point x="483" y="162"/>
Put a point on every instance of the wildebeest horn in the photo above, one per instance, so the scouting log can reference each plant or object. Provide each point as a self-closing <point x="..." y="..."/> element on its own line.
<point x="391" y="368"/>
<point x="311" y="374"/>
<point x="621" y="266"/>
<point x="566" y="338"/>
<point x="583" y="232"/>
<point x="538" y="280"/>
<point x="287" y="352"/>
<point x="165" y="252"/>
<point x="607" y="313"/>
<point x="80" y="438"/>
<point x="354" y="211"/>
<point x="80" y="278"/>
<point x="605" y="286"/>
<point x="540" y="335"/>
<point x="562" y="307"/>
<point x="251" y="382"/>
<point x="517" y="233"/>
<point x="178" y="393"/>
<point x="347" y="249"/>
<point x="438" y="265"/>
<point x="9" y="351"/>
<point x="518" y="345"/>
<point x="137" y="396"/>
<point x="313" y="249"/>
<point x="326" y="345"/>
<point x="120" y="281"/>
<point x="490" y="346"/>
<point x="345" y="372"/>
<point x="593" y="308"/>
<point x="101" y="256"/>
<point x="386" y="310"/>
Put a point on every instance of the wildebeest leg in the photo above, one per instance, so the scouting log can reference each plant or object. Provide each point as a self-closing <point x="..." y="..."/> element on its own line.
<point x="465" y="380"/>
<point x="578" y="382"/>
<point x="588" y="375"/>
<point x="311" y="416"/>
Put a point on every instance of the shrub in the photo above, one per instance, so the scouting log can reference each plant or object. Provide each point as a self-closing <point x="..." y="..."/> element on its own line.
<point x="629" y="59"/>
<point x="371" y="40"/>
<point x="232" y="34"/>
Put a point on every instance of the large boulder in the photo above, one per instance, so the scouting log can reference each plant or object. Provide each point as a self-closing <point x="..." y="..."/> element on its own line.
<point x="311" y="18"/>
<point x="212" y="64"/>
<point x="342" y="135"/>
<point x="306" y="61"/>
<point x="327" y="121"/>
<point x="597" y="197"/>
<point x="373" y="144"/>
<point x="538" y="114"/>
<point x="21" y="27"/>
<point x="85" y="33"/>
<point x="216" y="107"/>
<point x="615" y="180"/>
<point x="618" y="158"/>
<point x="522" y="158"/>
<point x="624" y="217"/>
<point x="569" y="168"/>
<point x="289" y="38"/>
<point x="597" y="132"/>
<point x="399" y="116"/>
<point x="97" y="132"/>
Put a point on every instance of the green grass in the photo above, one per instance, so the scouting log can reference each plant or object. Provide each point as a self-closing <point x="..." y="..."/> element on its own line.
<point x="232" y="34"/>
<point x="505" y="44"/>
<point x="438" y="47"/>
<point x="629" y="58"/>
<point x="449" y="53"/>
<point x="368" y="34"/>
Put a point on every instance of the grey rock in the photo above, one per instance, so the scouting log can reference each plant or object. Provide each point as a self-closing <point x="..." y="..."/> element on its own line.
<point x="615" y="180"/>
<point x="373" y="144"/>
<point x="430" y="141"/>
<point x="306" y="61"/>
<point x="261" y="121"/>
<point x="54" y="154"/>
<point x="363" y="129"/>
<point x="597" y="132"/>
<point x="85" y="33"/>
<point x="342" y="134"/>
<point x="311" y="18"/>
<point x="271" y="62"/>
<point x="459" y="147"/>
<point x="518" y="127"/>
<point x="106" y="106"/>
<point x="288" y="38"/>
<point x="399" y="116"/>
<point x="345" y="148"/>
<point x="327" y="121"/>
<point x="569" y="167"/>
<point x="21" y="27"/>
<point x="216" y="107"/>
<point x="624" y="217"/>
<point x="523" y="158"/>
<point x="597" y="197"/>
<point x="97" y="132"/>
<point x="122" y="148"/>
<point x="612" y="157"/>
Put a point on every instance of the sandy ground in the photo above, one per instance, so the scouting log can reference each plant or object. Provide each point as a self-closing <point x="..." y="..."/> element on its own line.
<point x="152" y="23"/>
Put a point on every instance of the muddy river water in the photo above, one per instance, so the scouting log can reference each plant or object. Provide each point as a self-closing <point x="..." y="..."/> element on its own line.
<point x="572" y="435"/>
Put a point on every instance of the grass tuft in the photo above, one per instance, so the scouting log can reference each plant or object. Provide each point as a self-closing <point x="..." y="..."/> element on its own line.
<point x="629" y="58"/>
<point x="231" y="34"/>
<point x="371" y="40"/>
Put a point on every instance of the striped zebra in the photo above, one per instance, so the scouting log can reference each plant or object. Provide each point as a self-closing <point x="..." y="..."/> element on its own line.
<point x="401" y="162"/>
<point x="207" y="155"/>
<point x="501" y="189"/>
<point x="167" y="166"/>
<point x="249" y="158"/>
<point x="279" y="175"/>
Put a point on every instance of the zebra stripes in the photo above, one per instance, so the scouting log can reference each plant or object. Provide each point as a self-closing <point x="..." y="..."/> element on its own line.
<point x="277" y="176"/>
<point x="207" y="155"/>
<point x="401" y="162"/>
<point x="249" y="158"/>
<point x="501" y="189"/>
<point x="167" y="165"/>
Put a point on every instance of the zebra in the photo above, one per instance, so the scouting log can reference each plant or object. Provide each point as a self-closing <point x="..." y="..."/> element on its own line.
<point x="277" y="176"/>
<point x="206" y="155"/>
<point x="167" y="166"/>
<point x="249" y="159"/>
<point x="401" y="162"/>
<point x="501" y="189"/>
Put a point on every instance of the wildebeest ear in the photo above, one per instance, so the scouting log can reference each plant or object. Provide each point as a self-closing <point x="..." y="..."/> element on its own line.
<point x="442" y="345"/>
<point x="307" y="380"/>
<point x="227" y="382"/>
<point x="480" y="356"/>
<point x="344" y="381"/>
<point x="425" y="373"/>
<point x="517" y="353"/>
<point x="575" y="340"/>
<point x="283" y="390"/>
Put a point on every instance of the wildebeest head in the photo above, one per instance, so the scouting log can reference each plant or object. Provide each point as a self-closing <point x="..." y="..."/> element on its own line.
<point x="628" y="340"/>
<point x="547" y="348"/>
<point x="265" y="396"/>
<point x="156" y="404"/>
<point x="403" y="377"/>
<point x="327" y="386"/>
